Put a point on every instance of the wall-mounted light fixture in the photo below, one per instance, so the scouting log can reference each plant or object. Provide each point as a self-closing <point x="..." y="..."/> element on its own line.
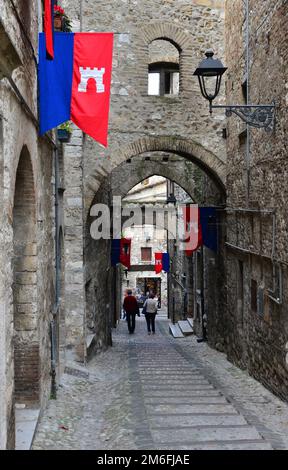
<point x="209" y="70"/>
<point x="171" y="199"/>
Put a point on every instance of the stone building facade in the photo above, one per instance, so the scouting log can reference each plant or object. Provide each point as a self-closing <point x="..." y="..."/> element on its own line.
<point x="257" y="237"/>
<point x="142" y="128"/>
<point x="26" y="222"/>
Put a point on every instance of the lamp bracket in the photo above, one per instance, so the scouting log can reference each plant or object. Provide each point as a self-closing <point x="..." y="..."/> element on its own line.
<point x="260" y="116"/>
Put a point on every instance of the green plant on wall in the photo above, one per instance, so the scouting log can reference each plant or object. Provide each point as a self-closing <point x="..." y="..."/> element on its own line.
<point x="66" y="126"/>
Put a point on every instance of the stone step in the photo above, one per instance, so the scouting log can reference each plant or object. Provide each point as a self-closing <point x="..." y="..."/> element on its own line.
<point x="185" y="327"/>
<point x="175" y="330"/>
<point x="190" y="321"/>
<point x="167" y="421"/>
<point x="209" y="433"/>
<point x="189" y="409"/>
<point x="184" y="400"/>
<point x="181" y="393"/>
<point x="26" y="423"/>
<point x="224" y="445"/>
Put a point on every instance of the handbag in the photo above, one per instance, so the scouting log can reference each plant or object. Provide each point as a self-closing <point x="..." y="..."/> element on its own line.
<point x="144" y="310"/>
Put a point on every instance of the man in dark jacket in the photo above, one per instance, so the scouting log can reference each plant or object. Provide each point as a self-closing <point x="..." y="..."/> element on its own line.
<point x="131" y="308"/>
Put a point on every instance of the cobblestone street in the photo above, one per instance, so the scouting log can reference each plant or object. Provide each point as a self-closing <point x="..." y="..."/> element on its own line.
<point x="156" y="392"/>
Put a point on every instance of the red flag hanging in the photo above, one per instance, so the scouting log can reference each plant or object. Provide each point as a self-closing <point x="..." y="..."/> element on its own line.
<point x="193" y="231"/>
<point x="125" y="252"/>
<point x="158" y="263"/>
<point x="91" y="83"/>
<point x="49" y="27"/>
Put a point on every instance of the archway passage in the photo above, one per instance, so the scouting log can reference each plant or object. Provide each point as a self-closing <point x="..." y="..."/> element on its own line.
<point x="26" y="342"/>
<point x="189" y="150"/>
<point x="103" y="284"/>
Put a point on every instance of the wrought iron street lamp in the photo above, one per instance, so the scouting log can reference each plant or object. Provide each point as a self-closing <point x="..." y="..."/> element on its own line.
<point x="171" y="199"/>
<point x="209" y="73"/>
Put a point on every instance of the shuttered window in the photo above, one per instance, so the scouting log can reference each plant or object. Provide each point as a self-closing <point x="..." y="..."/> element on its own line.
<point x="146" y="254"/>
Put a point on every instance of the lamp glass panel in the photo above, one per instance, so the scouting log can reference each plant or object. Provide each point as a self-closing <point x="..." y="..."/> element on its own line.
<point x="210" y="85"/>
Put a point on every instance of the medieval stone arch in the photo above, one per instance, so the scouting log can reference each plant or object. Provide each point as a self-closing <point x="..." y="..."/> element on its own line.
<point x="127" y="175"/>
<point x="211" y="164"/>
<point x="26" y="335"/>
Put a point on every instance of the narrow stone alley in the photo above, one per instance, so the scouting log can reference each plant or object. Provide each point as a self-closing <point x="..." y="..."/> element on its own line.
<point x="157" y="392"/>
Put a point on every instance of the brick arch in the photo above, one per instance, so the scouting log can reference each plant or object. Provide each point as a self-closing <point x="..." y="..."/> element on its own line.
<point x="181" y="39"/>
<point x="26" y="339"/>
<point x="196" y="153"/>
<point x="21" y="147"/>
<point x="169" y="31"/>
<point x="134" y="180"/>
<point x="139" y="172"/>
<point x="206" y="160"/>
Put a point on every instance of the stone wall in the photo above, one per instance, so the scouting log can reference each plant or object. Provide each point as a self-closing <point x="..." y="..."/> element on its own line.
<point x="257" y="327"/>
<point x="26" y="291"/>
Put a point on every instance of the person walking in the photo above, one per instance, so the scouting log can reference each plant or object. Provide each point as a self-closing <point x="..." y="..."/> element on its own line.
<point x="150" y="307"/>
<point x="131" y="308"/>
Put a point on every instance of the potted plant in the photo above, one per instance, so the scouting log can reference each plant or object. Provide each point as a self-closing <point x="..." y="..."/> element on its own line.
<point x="61" y="20"/>
<point x="64" y="132"/>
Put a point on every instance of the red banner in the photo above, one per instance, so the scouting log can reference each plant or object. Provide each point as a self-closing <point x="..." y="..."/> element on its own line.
<point x="193" y="232"/>
<point x="125" y="252"/>
<point x="91" y="83"/>
<point x="48" y="27"/>
<point x="158" y="263"/>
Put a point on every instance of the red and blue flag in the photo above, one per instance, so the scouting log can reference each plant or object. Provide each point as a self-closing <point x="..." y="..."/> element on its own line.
<point x="76" y="84"/>
<point x="162" y="262"/>
<point x="121" y="252"/>
<point x="200" y="226"/>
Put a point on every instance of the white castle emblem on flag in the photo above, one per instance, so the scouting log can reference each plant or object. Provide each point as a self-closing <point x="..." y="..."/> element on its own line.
<point x="96" y="74"/>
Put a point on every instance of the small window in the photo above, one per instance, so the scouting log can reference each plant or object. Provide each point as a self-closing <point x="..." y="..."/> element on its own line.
<point x="254" y="295"/>
<point x="163" y="79"/>
<point x="163" y="70"/>
<point x="146" y="254"/>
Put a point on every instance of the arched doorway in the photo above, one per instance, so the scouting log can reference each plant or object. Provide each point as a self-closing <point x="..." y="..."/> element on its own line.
<point x="26" y="339"/>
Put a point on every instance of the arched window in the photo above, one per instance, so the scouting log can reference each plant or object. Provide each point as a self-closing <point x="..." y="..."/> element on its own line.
<point x="163" y="69"/>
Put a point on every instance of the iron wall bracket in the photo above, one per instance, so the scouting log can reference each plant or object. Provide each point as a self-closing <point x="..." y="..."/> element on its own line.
<point x="260" y="116"/>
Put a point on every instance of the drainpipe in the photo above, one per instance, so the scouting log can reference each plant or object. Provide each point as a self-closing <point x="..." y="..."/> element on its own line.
<point x="53" y="323"/>
<point x="248" y="101"/>
<point x="81" y="15"/>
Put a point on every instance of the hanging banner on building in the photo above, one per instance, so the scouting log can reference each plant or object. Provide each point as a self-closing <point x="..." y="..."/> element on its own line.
<point x="209" y="227"/>
<point x="166" y="262"/>
<point x="158" y="263"/>
<point x="162" y="262"/>
<point x="121" y="252"/>
<point x="115" y="252"/>
<point x="201" y="228"/>
<point x="49" y="28"/>
<point x="192" y="229"/>
<point x="125" y="252"/>
<point x="76" y="84"/>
